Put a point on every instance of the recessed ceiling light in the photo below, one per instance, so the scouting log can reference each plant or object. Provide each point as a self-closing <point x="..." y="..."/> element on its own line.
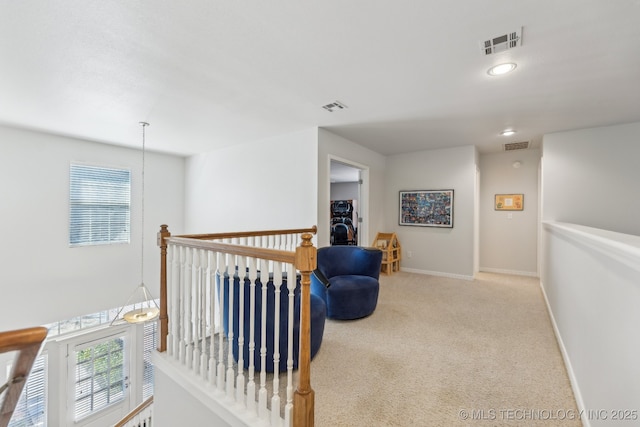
<point x="507" y="132"/>
<point x="498" y="70"/>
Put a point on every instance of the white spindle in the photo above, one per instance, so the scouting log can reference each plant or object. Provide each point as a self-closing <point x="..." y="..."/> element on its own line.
<point x="242" y="272"/>
<point x="221" y="270"/>
<point x="251" y="384"/>
<point x="170" y="287"/>
<point x="230" y="268"/>
<point x="188" y="323"/>
<point x="291" y="286"/>
<point x="275" y="399"/>
<point x="213" y="299"/>
<point x="203" y="313"/>
<point x="182" y="289"/>
<point x="174" y="320"/>
<point x="262" y="394"/>
<point x="251" y="344"/>
<point x="197" y="269"/>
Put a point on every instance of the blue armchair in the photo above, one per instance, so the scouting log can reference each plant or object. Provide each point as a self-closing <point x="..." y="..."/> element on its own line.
<point x="347" y="280"/>
<point x="318" y="311"/>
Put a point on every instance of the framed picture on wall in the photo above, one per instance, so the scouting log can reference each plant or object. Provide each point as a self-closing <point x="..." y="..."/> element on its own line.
<point x="426" y="208"/>
<point x="509" y="202"/>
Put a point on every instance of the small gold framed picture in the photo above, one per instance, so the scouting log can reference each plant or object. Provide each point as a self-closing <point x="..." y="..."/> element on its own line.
<point x="509" y="202"/>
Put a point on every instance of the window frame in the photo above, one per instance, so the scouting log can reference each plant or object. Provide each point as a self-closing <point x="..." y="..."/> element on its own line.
<point x="83" y="210"/>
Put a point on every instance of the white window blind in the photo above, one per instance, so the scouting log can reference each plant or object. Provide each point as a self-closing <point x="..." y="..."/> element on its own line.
<point x="100" y="201"/>
<point x="150" y="345"/>
<point x="101" y="379"/>
<point x="31" y="410"/>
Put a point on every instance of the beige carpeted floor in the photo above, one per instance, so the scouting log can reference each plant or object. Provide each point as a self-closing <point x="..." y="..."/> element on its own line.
<point x="445" y="352"/>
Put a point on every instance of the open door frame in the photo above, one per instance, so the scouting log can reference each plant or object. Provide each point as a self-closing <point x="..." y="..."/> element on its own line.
<point x="363" y="202"/>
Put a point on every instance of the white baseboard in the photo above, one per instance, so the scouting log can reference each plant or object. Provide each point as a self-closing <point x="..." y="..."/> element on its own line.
<point x="567" y="362"/>
<point x="437" y="273"/>
<point x="512" y="272"/>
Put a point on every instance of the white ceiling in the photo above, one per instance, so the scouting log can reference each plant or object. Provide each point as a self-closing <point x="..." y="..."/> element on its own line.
<point x="210" y="73"/>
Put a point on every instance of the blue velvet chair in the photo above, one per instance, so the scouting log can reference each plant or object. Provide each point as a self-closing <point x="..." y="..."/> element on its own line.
<point x="318" y="313"/>
<point x="346" y="279"/>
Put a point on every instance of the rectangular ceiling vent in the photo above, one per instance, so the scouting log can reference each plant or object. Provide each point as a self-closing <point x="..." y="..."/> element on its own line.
<point x="516" y="146"/>
<point x="502" y="42"/>
<point x="336" y="105"/>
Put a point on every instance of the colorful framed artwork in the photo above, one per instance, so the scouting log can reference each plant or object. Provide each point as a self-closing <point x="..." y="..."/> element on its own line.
<point x="509" y="202"/>
<point x="426" y="208"/>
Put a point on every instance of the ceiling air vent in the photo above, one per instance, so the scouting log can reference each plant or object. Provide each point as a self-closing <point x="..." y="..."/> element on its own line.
<point x="336" y="105"/>
<point x="502" y="42"/>
<point x="516" y="146"/>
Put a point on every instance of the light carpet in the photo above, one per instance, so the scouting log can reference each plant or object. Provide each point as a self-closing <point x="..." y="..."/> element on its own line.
<point x="444" y="352"/>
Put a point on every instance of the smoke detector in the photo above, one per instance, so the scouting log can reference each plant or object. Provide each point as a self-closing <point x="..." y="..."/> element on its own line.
<point x="516" y="146"/>
<point x="502" y="42"/>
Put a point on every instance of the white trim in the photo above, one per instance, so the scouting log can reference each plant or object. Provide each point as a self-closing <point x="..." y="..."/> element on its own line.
<point x="567" y="362"/>
<point x="624" y="248"/>
<point x="512" y="272"/>
<point x="364" y="190"/>
<point x="437" y="273"/>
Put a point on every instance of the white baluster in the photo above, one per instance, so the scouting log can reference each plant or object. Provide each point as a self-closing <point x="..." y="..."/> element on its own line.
<point x="230" y="265"/>
<point x="262" y="394"/>
<point x="195" y="362"/>
<point x="291" y="286"/>
<point x="213" y="306"/>
<point x="183" y="274"/>
<point x="188" y="323"/>
<point x="170" y="287"/>
<point x="203" y="313"/>
<point x="174" y="320"/>
<point x="242" y="272"/>
<point x="251" y="384"/>
<point x="221" y="270"/>
<point x="275" y="399"/>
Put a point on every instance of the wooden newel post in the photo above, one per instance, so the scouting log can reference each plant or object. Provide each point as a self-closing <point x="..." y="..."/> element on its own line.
<point x="163" y="234"/>
<point x="303" y="399"/>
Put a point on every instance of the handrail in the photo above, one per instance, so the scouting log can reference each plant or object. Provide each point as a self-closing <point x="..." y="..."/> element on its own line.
<point x="213" y="236"/>
<point x="27" y="343"/>
<point x="137" y="410"/>
<point x="262" y="253"/>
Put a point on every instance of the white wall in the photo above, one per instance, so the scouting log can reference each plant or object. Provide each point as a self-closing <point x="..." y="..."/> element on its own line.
<point x="592" y="285"/>
<point x="591" y="177"/>
<point x="344" y="191"/>
<point x="268" y="184"/>
<point x="590" y="275"/>
<point x="447" y="251"/>
<point x="509" y="240"/>
<point x="39" y="269"/>
<point x="372" y="201"/>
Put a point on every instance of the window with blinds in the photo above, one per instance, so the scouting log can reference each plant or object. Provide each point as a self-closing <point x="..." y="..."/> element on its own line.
<point x="101" y="378"/>
<point x="150" y="344"/>
<point x="99" y="200"/>
<point x="31" y="410"/>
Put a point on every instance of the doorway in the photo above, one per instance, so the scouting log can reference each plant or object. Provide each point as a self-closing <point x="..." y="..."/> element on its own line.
<point x="346" y="203"/>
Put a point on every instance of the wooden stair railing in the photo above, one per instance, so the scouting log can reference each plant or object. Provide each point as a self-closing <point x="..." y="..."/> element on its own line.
<point x="305" y="262"/>
<point x="131" y="415"/>
<point x="27" y="343"/>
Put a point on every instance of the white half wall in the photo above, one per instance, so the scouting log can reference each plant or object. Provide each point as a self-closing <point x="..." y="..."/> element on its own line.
<point x="267" y="184"/>
<point x="39" y="269"/>
<point x="509" y="239"/>
<point x="332" y="146"/>
<point x="446" y="251"/>
<point x="591" y="281"/>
